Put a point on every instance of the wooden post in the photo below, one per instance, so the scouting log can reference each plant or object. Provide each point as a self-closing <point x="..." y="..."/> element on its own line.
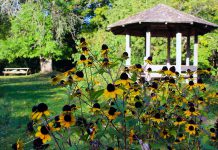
<point x="178" y="52"/>
<point x="195" y="63"/>
<point x="168" y="51"/>
<point x="128" y="50"/>
<point x="188" y="51"/>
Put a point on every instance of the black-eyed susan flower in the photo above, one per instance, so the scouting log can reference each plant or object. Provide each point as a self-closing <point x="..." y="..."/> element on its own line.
<point x="77" y="93"/>
<point x="191" y="85"/>
<point x="92" y="132"/>
<point x="200" y="83"/>
<point x="164" y="134"/>
<point x="124" y="80"/>
<point x="181" y="136"/>
<point x="200" y="100"/>
<point x="145" y="117"/>
<point x="43" y="133"/>
<point x="125" y="56"/>
<point x="112" y="113"/>
<point x="96" y="107"/>
<point x="82" y="42"/>
<point x="104" y="50"/>
<point x="179" y="121"/>
<point x="149" y="60"/>
<point x="90" y="61"/>
<point x="57" y="124"/>
<point x="67" y="119"/>
<point x="30" y="128"/>
<point x="177" y="141"/>
<point x="105" y="62"/>
<point x="78" y="76"/>
<point x="83" y="59"/>
<point x="138" y="104"/>
<point x="153" y="86"/>
<point x="191" y="112"/>
<point x="212" y="132"/>
<point x="157" y="118"/>
<point x="38" y="111"/>
<point x="18" y="145"/>
<point x="137" y="68"/>
<point x="112" y="91"/>
<point x="190" y="128"/>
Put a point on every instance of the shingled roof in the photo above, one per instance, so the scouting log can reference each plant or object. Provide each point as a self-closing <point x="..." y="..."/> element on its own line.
<point x="162" y="21"/>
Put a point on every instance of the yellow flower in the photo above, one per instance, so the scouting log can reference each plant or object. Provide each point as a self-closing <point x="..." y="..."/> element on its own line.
<point x="83" y="59"/>
<point x="105" y="62"/>
<point x="96" y="107"/>
<point x="124" y="80"/>
<point x="78" y="76"/>
<point x="179" y="121"/>
<point x="157" y="118"/>
<point x="104" y="50"/>
<point x="112" y="113"/>
<point x="39" y="111"/>
<point x="191" y="85"/>
<point x="190" y="128"/>
<point x="112" y="91"/>
<point x="164" y="134"/>
<point x="91" y="132"/>
<point x="137" y="68"/>
<point x="66" y="120"/>
<point x="149" y="60"/>
<point x="181" y="137"/>
<point x="43" y="133"/>
<point x="18" y="145"/>
<point x="191" y="112"/>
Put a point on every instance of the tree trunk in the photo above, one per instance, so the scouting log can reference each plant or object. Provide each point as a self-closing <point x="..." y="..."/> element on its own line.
<point x="45" y="65"/>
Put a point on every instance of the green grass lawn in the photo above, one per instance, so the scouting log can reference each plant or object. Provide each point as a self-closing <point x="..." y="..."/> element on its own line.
<point x="17" y="96"/>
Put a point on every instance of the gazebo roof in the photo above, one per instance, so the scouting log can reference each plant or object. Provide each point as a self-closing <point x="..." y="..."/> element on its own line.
<point x="162" y="21"/>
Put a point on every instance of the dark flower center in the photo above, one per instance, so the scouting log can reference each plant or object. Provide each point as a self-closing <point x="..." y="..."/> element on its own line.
<point x="124" y="76"/>
<point x="180" y="135"/>
<point x="110" y="87"/>
<point x="83" y="57"/>
<point x="67" y="118"/>
<point x="177" y="140"/>
<point x="191" y="128"/>
<point x="110" y="148"/>
<point x="191" y="83"/>
<point x="112" y="111"/>
<point x="190" y="104"/>
<point x="42" y="107"/>
<point x="172" y="81"/>
<point x="178" y="119"/>
<point x="149" y="69"/>
<point x="105" y="60"/>
<point x="80" y="74"/>
<point x="44" y="130"/>
<point x="157" y="116"/>
<point x="200" y="81"/>
<point x="138" y="104"/>
<point x="73" y="106"/>
<point x="192" y="109"/>
<point x="164" y="68"/>
<point x="150" y="58"/>
<point x="67" y="108"/>
<point x="138" y="66"/>
<point x="125" y="54"/>
<point x="82" y="40"/>
<point x="154" y="85"/>
<point x="96" y="105"/>
<point x="14" y="146"/>
<point x="34" y="108"/>
<point x="104" y="47"/>
<point x="37" y="143"/>
<point x="165" y="132"/>
<point x="173" y="69"/>
<point x="30" y="126"/>
<point x="200" y="99"/>
<point x="84" y="48"/>
<point x="57" y="118"/>
<point x="212" y="130"/>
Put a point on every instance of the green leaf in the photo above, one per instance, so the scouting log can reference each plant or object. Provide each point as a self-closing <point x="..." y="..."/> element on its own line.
<point x="97" y="94"/>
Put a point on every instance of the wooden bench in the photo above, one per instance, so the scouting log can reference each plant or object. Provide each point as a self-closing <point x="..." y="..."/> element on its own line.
<point x="16" y="71"/>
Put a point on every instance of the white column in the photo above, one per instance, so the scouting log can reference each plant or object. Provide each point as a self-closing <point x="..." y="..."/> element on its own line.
<point x="195" y="63"/>
<point x="168" y="52"/>
<point x="188" y="51"/>
<point x="148" y="44"/>
<point x="178" y="52"/>
<point x="128" y="50"/>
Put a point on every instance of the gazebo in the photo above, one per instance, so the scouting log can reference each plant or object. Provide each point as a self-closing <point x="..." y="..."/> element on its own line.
<point x="164" y="21"/>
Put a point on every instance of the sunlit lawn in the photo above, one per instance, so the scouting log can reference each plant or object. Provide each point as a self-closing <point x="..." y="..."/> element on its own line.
<point x="17" y="96"/>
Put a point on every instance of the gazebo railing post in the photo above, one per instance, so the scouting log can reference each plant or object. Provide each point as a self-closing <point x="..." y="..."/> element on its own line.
<point x="178" y="51"/>
<point x="168" y="51"/>
<point x="148" y="45"/>
<point x="188" y="51"/>
<point x="128" y="49"/>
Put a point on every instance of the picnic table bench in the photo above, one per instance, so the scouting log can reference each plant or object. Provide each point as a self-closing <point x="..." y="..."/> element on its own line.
<point x="16" y="71"/>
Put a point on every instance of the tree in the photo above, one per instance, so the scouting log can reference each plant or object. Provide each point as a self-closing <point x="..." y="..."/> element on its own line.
<point x="38" y="30"/>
